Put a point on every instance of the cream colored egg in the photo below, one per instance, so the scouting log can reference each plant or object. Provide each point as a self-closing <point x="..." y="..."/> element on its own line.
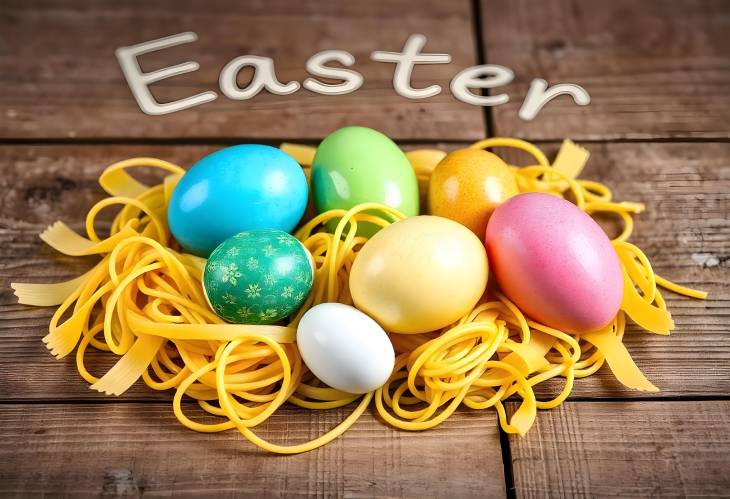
<point x="420" y="274"/>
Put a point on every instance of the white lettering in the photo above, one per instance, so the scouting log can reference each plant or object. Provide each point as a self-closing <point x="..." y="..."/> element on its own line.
<point x="351" y="80"/>
<point x="139" y="81"/>
<point x="404" y="62"/>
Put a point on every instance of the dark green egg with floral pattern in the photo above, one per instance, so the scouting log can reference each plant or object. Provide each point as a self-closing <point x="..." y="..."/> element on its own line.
<point x="258" y="277"/>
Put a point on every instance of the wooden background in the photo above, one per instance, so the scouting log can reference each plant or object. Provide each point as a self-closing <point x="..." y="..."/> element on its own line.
<point x="658" y="129"/>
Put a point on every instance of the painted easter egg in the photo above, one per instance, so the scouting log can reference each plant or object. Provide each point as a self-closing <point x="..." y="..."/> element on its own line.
<point x="238" y="188"/>
<point x="419" y="274"/>
<point x="345" y="348"/>
<point x="554" y="262"/>
<point x="355" y="165"/>
<point x="258" y="277"/>
<point x="467" y="185"/>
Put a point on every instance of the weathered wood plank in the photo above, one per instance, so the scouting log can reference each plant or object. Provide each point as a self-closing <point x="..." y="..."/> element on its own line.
<point x="40" y="184"/>
<point x="60" y="78"/>
<point x="92" y="449"/>
<point x="685" y="232"/>
<point x="652" y="68"/>
<point x="625" y="449"/>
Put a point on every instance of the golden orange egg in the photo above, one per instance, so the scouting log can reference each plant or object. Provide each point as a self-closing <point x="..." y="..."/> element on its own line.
<point x="467" y="185"/>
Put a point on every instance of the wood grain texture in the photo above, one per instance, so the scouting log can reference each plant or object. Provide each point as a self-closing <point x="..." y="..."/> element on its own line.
<point x="685" y="232"/>
<point x="92" y="449"/>
<point x="652" y="68"/>
<point x="60" y="78"/>
<point x="625" y="449"/>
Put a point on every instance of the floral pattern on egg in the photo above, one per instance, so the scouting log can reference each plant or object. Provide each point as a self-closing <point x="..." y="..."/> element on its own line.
<point x="258" y="277"/>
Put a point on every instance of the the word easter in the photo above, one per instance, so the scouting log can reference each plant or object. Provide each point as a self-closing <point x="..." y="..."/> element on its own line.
<point x="264" y="77"/>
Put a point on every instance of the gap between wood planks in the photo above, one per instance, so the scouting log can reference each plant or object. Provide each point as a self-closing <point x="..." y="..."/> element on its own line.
<point x="120" y="400"/>
<point x="481" y="52"/>
<point x="509" y="474"/>
<point x="225" y="141"/>
<point x="506" y="446"/>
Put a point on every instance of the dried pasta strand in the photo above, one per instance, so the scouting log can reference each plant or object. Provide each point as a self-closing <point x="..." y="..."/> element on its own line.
<point x="619" y="360"/>
<point x="47" y="295"/>
<point x="130" y="367"/>
<point x="144" y="302"/>
<point x="571" y="159"/>
<point x="304" y="155"/>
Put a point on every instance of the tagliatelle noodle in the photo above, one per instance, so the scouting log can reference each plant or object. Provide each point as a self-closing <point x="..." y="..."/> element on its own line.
<point x="144" y="302"/>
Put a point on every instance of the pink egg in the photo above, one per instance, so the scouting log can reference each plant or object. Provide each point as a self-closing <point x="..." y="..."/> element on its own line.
<point x="554" y="262"/>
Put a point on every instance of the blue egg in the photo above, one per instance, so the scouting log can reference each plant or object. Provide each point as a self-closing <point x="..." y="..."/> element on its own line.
<point x="238" y="188"/>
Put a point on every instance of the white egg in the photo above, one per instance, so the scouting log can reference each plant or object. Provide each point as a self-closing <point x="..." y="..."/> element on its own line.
<point x="345" y="348"/>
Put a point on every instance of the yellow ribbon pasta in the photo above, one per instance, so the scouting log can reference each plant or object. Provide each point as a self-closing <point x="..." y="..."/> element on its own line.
<point x="143" y="302"/>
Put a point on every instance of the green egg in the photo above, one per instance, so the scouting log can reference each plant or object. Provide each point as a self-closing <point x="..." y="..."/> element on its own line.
<point x="258" y="277"/>
<point x="355" y="165"/>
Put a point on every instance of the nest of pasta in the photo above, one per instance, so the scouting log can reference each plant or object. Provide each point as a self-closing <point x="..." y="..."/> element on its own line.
<point x="144" y="302"/>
